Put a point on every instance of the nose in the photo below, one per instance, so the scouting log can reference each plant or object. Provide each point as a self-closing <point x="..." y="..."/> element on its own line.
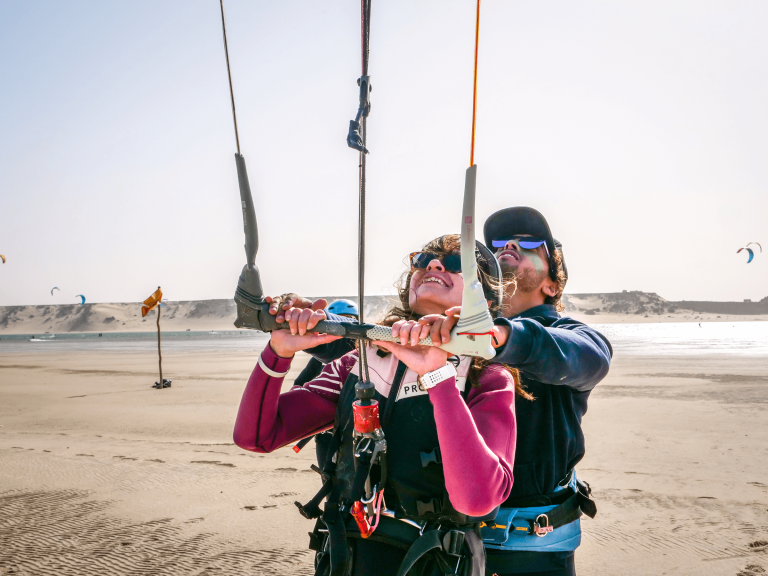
<point x="435" y="265"/>
<point x="512" y="245"/>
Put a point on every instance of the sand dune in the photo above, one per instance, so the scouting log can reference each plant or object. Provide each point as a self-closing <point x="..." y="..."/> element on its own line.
<point x="640" y="307"/>
<point x="619" y="307"/>
<point x="126" y="317"/>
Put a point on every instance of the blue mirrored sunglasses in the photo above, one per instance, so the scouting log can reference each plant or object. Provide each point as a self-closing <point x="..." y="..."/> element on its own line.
<point x="523" y="241"/>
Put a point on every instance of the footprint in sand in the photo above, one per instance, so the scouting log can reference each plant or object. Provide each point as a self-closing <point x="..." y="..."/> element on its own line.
<point x="751" y="570"/>
<point x="124" y="457"/>
<point x="759" y="544"/>
<point x="281" y="494"/>
<point x="157" y="460"/>
<point x="91" y="455"/>
<point x="214" y="462"/>
<point x="285" y="469"/>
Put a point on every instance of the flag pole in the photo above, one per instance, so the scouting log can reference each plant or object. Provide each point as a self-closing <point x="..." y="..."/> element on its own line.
<point x="159" y="353"/>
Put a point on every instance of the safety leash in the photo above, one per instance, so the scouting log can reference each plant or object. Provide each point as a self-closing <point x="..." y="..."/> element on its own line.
<point x="370" y="445"/>
<point x="356" y="139"/>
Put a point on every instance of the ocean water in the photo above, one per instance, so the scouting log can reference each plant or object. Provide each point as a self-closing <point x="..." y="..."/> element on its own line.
<point x="688" y="338"/>
<point x="132" y="342"/>
<point x="682" y="339"/>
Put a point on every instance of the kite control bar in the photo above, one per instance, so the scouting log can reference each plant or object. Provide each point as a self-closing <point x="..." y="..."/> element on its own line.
<point x="256" y="316"/>
<point x="470" y="337"/>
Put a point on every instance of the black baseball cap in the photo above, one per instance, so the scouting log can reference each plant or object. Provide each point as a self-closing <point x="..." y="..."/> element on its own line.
<point x="523" y="220"/>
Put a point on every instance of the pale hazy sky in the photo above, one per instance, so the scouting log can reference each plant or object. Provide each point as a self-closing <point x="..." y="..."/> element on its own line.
<point x="640" y="129"/>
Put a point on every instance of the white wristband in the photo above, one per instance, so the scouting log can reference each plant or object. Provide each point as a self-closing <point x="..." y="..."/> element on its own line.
<point x="269" y="371"/>
<point x="432" y="379"/>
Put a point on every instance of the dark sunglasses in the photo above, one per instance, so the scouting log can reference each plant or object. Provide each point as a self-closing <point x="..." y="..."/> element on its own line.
<point x="451" y="262"/>
<point x="523" y="241"/>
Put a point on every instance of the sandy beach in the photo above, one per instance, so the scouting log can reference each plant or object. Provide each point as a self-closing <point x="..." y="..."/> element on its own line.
<point x="99" y="474"/>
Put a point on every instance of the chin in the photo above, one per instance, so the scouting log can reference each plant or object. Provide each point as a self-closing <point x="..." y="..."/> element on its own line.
<point x="430" y="303"/>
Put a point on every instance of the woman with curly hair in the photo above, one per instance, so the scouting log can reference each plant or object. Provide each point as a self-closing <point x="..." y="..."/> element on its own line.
<point x="449" y="424"/>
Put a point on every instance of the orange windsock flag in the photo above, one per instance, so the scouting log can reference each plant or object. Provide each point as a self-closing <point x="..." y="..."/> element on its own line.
<point x="152" y="302"/>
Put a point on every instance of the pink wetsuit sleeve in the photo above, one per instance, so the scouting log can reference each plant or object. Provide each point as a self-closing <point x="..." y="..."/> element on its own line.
<point x="477" y="440"/>
<point x="268" y="420"/>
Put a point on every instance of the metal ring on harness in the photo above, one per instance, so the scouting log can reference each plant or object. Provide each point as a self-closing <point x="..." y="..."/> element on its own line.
<point x="540" y="530"/>
<point x="373" y="495"/>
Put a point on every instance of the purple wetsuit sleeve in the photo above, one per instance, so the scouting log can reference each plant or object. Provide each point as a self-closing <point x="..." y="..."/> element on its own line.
<point x="477" y="440"/>
<point x="268" y="420"/>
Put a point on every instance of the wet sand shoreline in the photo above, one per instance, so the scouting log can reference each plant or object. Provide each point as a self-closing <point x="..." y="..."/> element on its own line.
<point x="101" y="474"/>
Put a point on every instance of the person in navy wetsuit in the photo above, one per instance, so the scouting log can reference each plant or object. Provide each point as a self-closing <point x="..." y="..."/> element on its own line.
<point x="560" y="361"/>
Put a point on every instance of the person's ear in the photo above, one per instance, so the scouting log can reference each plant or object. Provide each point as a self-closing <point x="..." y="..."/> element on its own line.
<point x="549" y="288"/>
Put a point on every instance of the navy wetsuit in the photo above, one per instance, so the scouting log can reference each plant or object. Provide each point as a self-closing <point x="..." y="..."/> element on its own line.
<point x="560" y="361"/>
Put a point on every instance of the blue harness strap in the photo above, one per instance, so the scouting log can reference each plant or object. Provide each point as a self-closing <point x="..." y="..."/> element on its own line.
<point x="553" y="528"/>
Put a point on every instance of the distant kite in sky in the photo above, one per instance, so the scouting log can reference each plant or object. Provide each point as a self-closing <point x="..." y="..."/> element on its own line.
<point x="3" y="257"/>
<point x="751" y="254"/>
<point x="758" y="245"/>
<point x="54" y="288"/>
<point x="82" y="299"/>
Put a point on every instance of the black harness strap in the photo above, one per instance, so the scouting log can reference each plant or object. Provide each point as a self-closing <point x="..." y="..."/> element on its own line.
<point x="323" y="564"/>
<point x="337" y="533"/>
<point x="450" y="547"/>
<point x="425" y="544"/>
<point x="577" y="502"/>
<point x="564" y="514"/>
<point x="363" y="465"/>
<point x="476" y="548"/>
<point x="392" y="398"/>
<point x="311" y="509"/>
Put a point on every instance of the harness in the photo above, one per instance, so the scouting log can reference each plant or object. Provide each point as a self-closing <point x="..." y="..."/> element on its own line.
<point x="542" y="523"/>
<point x="414" y="515"/>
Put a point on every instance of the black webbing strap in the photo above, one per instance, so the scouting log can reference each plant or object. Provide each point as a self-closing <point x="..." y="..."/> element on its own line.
<point x="586" y="503"/>
<point x="329" y="466"/>
<point x="476" y="565"/>
<point x="393" y="391"/>
<point x="303" y="442"/>
<point x="311" y="509"/>
<point x="451" y="546"/>
<point x="570" y="510"/>
<point x="323" y="564"/>
<point x="337" y="533"/>
<point x="426" y="543"/>
<point x="566" y="513"/>
<point x="362" y="470"/>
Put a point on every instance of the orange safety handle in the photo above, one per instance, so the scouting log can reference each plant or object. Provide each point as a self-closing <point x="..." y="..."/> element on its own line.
<point x="358" y="513"/>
